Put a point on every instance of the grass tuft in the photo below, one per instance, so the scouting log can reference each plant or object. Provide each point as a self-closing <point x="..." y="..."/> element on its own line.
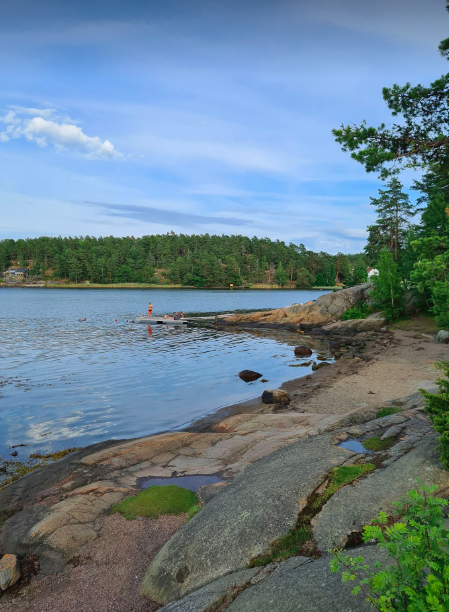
<point x="299" y="540"/>
<point x="387" y="411"/>
<point x="193" y="511"/>
<point x="376" y="444"/>
<point x="155" y="500"/>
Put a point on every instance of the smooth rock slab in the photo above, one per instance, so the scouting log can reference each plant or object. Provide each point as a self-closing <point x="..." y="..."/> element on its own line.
<point x="9" y="571"/>
<point x="354" y="506"/>
<point x="309" y="587"/>
<point x="239" y="523"/>
<point x="213" y="594"/>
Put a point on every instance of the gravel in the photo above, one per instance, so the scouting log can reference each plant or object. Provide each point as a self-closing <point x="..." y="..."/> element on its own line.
<point x="107" y="572"/>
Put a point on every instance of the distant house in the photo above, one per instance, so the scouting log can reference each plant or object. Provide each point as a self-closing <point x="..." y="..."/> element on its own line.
<point x="372" y="272"/>
<point x="17" y="273"/>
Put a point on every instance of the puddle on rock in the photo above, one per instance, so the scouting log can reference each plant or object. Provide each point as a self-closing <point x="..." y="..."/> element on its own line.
<point x="354" y="445"/>
<point x="193" y="483"/>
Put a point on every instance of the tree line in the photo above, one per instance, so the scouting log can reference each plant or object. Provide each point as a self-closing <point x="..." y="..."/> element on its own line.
<point x="190" y="260"/>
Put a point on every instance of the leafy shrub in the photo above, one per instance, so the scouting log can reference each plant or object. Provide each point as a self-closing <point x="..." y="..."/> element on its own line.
<point x="437" y="406"/>
<point x="360" y="311"/>
<point x="155" y="501"/>
<point x="387" y="411"/>
<point x="418" y="581"/>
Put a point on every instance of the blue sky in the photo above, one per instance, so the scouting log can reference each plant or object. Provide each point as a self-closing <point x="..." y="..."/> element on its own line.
<point x="201" y="116"/>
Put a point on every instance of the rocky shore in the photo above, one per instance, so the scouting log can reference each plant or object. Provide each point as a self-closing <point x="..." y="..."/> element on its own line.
<point x="273" y="461"/>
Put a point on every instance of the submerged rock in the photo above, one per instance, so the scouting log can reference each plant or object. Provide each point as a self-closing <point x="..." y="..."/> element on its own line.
<point x="303" y="351"/>
<point x="249" y="375"/>
<point x="275" y="396"/>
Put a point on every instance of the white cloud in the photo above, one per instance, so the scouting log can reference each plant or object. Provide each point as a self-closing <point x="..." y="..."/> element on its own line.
<point x="48" y="127"/>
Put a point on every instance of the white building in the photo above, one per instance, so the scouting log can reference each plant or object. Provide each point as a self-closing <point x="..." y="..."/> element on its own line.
<point x="372" y="272"/>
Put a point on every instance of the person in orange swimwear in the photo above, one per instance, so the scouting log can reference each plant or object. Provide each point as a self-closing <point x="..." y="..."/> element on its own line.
<point x="150" y="309"/>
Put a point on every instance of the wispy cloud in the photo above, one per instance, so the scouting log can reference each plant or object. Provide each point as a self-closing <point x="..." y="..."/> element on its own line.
<point x="162" y="216"/>
<point x="44" y="128"/>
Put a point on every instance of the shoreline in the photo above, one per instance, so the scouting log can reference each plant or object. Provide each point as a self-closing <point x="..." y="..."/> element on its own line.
<point x="377" y="369"/>
<point x="143" y="286"/>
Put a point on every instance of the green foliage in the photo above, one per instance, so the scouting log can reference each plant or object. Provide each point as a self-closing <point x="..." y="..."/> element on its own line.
<point x="197" y="260"/>
<point x="437" y="406"/>
<point x="360" y="311"/>
<point x="431" y="274"/>
<point x="387" y="411"/>
<point x="193" y="511"/>
<point x="281" y="275"/>
<point x="155" y="501"/>
<point x="388" y="291"/>
<point x="394" y="211"/>
<point x="376" y="444"/>
<point x="418" y="580"/>
<point x="341" y="476"/>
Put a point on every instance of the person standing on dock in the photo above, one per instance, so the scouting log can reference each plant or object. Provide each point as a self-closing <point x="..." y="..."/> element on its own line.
<point x="150" y="309"/>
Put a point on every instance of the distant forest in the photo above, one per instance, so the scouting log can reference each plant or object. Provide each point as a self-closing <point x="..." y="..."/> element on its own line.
<point x="197" y="260"/>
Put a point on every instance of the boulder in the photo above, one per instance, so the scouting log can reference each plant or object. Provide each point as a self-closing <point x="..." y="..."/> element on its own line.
<point x="9" y="571"/>
<point x="239" y="523"/>
<point x="443" y="336"/>
<point x="334" y="345"/>
<point x="325" y="309"/>
<point x="354" y="326"/>
<point x="249" y="375"/>
<point x="303" y="351"/>
<point x="275" y="396"/>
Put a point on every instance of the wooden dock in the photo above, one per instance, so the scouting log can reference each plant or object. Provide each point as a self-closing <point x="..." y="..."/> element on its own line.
<point x="160" y="321"/>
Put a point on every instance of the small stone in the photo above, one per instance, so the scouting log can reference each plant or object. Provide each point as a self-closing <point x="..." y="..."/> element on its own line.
<point x="249" y="375"/>
<point x="14" y="454"/>
<point x="443" y="337"/>
<point x="275" y="396"/>
<point x="9" y="571"/>
<point x="303" y="351"/>
<point x="318" y="366"/>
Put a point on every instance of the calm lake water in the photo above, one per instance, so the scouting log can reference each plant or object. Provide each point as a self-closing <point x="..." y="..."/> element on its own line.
<point x="68" y="383"/>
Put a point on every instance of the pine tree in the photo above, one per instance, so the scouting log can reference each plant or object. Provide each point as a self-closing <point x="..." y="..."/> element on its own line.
<point x="394" y="211"/>
<point x="388" y="291"/>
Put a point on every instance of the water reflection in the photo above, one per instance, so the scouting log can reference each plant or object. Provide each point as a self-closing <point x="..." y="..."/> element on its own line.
<point x="63" y="379"/>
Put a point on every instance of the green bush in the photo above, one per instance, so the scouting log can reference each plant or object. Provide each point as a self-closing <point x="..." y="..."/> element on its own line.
<point x="418" y="580"/>
<point x="155" y="501"/>
<point x="437" y="406"/>
<point x="360" y="311"/>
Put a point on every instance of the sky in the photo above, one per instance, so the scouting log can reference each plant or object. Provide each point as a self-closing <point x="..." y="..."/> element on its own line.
<point x="144" y="117"/>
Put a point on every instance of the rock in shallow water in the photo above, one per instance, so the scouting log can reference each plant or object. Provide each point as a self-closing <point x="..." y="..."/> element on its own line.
<point x="303" y="351"/>
<point x="249" y="375"/>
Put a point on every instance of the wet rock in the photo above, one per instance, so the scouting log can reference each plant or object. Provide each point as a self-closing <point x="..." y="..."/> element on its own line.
<point x="9" y="571"/>
<point x="318" y="366"/>
<point x="334" y="345"/>
<point x="249" y="375"/>
<point x="303" y="351"/>
<point x="275" y="396"/>
<point x="443" y="336"/>
<point x="14" y="454"/>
